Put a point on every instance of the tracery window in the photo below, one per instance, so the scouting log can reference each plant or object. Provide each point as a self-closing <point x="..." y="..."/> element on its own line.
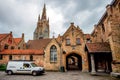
<point x="53" y="54"/>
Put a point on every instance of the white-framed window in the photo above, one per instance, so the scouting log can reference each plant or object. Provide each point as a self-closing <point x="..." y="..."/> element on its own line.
<point x="53" y="54"/>
<point x="78" y="41"/>
<point x="67" y="41"/>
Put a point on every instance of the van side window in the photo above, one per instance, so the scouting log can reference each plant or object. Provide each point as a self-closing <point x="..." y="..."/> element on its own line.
<point x="25" y="65"/>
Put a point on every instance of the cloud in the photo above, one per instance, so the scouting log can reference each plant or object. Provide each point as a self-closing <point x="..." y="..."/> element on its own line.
<point x="20" y="16"/>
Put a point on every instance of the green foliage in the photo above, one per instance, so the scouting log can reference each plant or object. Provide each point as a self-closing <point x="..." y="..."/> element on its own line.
<point x="2" y="67"/>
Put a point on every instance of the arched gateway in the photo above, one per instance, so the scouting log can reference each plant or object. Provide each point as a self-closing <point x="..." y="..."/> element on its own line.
<point x="73" y="62"/>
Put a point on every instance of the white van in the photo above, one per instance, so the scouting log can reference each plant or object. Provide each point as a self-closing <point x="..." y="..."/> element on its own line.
<point x="23" y="67"/>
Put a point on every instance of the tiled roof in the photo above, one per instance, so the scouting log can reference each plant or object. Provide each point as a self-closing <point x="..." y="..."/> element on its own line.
<point x="98" y="47"/>
<point x="2" y="36"/>
<point x="17" y="40"/>
<point x="38" y="44"/>
<point x="23" y="52"/>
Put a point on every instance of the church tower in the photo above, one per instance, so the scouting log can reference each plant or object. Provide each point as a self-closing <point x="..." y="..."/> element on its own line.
<point x="42" y="29"/>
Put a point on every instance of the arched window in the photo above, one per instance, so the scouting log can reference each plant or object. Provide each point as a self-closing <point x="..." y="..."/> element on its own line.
<point x="53" y="54"/>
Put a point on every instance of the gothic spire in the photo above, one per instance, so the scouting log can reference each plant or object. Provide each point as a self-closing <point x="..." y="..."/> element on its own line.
<point x="39" y="17"/>
<point x="44" y="12"/>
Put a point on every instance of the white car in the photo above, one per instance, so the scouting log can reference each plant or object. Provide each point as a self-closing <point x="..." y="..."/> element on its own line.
<point x="23" y="67"/>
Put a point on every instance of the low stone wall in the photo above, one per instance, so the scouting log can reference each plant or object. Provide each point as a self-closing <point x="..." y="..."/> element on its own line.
<point x="116" y="67"/>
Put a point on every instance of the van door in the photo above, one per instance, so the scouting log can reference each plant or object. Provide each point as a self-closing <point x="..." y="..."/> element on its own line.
<point x="26" y="68"/>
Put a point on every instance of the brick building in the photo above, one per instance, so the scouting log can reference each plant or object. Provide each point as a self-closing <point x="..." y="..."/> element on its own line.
<point x="74" y="50"/>
<point x="107" y="30"/>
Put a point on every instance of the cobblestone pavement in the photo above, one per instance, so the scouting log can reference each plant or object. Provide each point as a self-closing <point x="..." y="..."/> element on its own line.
<point x="70" y="75"/>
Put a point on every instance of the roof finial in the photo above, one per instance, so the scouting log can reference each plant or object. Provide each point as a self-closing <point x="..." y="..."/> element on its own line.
<point x="53" y="34"/>
<point x="44" y="12"/>
<point x="39" y="17"/>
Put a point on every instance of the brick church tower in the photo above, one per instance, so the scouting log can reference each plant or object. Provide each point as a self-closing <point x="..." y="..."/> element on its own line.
<point x="42" y="29"/>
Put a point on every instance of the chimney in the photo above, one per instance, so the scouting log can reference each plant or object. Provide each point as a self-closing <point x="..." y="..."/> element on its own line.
<point x="72" y="23"/>
<point x="10" y="32"/>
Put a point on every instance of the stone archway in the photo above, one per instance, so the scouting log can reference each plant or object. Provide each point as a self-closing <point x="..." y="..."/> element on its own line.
<point x="73" y="62"/>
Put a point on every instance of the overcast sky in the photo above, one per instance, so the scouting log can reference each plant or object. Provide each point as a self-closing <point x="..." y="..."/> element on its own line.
<point x="20" y="16"/>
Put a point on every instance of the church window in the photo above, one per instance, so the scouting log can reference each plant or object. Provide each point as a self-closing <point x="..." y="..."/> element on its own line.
<point x="78" y="41"/>
<point x="10" y="57"/>
<point x="53" y="54"/>
<point x="67" y="42"/>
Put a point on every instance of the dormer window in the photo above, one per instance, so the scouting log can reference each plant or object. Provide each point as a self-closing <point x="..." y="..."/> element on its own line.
<point x="78" y="41"/>
<point x="67" y="42"/>
<point x="6" y="46"/>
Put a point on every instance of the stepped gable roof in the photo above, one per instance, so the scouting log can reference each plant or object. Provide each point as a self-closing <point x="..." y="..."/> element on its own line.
<point x="17" y="40"/>
<point x="23" y="52"/>
<point x="38" y="44"/>
<point x="98" y="47"/>
<point x="2" y="36"/>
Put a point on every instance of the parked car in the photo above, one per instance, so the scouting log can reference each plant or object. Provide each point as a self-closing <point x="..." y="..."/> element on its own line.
<point x="23" y="67"/>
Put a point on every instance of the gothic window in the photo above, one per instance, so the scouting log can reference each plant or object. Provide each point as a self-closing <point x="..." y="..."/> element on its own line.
<point x="53" y="54"/>
<point x="10" y="57"/>
<point x="46" y="30"/>
<point x="31" y="57"/>
<point x="67" y="42"/>
<point x="1" y="57"/>
<point x="78" y="41"/>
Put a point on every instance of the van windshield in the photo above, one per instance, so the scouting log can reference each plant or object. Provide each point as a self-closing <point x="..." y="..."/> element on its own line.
<point x="33" y="65"/>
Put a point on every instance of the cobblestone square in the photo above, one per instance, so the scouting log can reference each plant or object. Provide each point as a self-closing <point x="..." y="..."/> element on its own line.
<point x="70" y="75"/>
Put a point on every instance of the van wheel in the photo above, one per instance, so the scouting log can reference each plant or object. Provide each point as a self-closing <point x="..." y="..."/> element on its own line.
<point x="9" y="72"/>
<point x="34" y="73"/>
